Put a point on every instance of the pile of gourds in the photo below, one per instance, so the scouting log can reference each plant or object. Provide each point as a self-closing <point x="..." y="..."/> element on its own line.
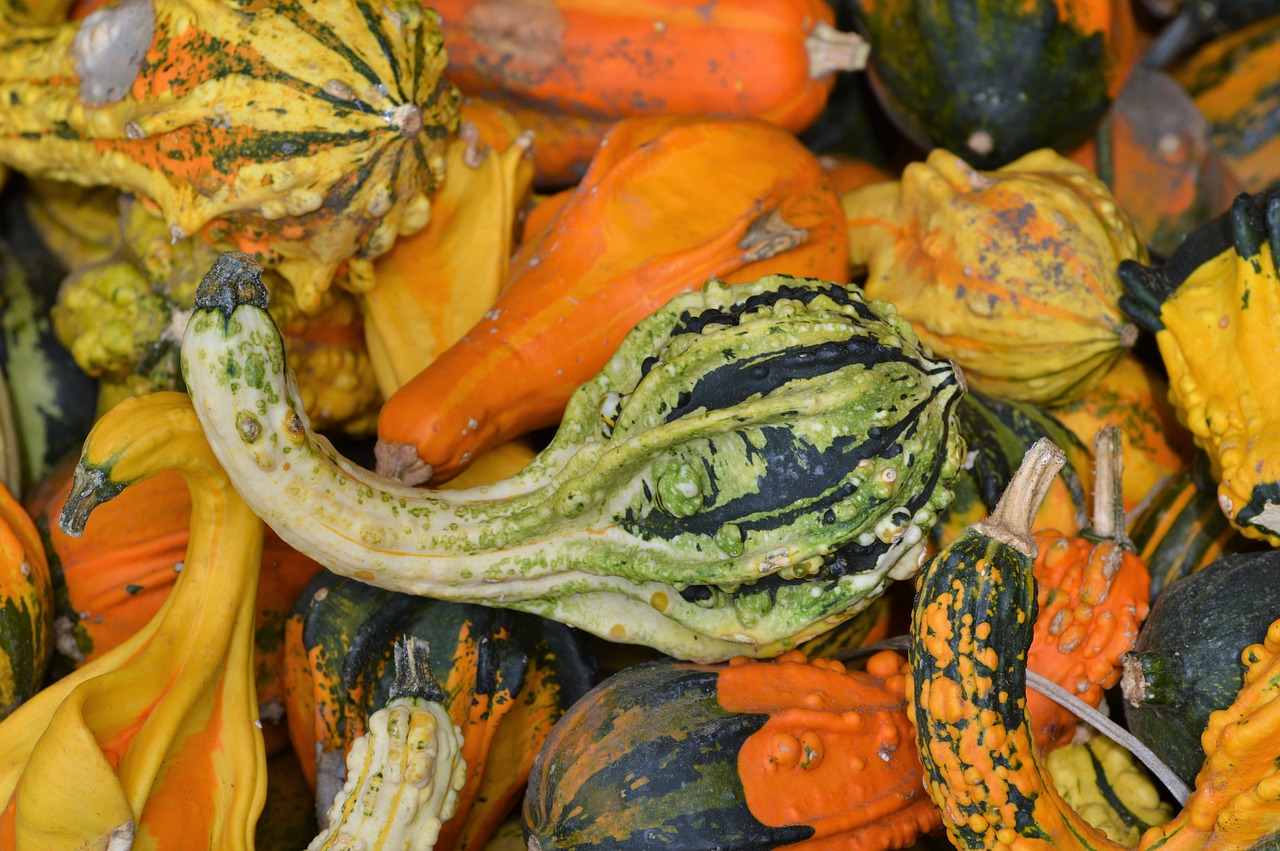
<point x="544" y="424"/>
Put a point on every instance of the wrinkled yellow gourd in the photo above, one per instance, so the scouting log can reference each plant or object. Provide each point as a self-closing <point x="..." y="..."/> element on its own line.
<point x="1012" y="272"/>
<point x="155" y="744"/>
<point x="404" y="774"/>
<point x="1108" y="787"/>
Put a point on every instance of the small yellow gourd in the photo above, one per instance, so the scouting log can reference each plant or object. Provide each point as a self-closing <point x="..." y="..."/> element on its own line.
<point x="404" y="775"/>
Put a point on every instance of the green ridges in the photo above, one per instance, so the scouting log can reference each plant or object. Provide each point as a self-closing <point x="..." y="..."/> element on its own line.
<point x="754" y="464"/>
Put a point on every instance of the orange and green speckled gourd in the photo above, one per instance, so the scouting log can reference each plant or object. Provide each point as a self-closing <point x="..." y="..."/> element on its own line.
<point x="1009" y="272"/>
<point x="308" y="134"/>
<point x="971" y="630"/>
<point x="1215" y="311"/>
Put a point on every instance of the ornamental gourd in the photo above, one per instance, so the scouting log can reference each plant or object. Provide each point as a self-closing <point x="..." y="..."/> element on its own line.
<point x="791" y="753"/>
<point x="26" y="605"/>
<point x="155" y="744"/>
<point x="752" y="466"/>
<point x="971" y="630"/>
<point x="1092" y="595"/>
<point x="309" y="134"/>
<point x="1213" y="310"/>
<point x="625" y="240"/>
<point x="1010" y="272"/>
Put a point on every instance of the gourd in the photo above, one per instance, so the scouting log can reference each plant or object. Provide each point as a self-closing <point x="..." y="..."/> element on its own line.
<point x="1108" y="787"/>
<point x="1092" y="595"/>
<point x="1232" y="80"/>
<point x="1198" y="20"/>
<point x="26" y="604"/>
<point x="1212" y="308"/>
<point x="992" y="80"/>
<point x="628" y="238"/>
<point x="165" y="100"/>
<point x="1010" y="272"/>
<point x="1134" y="397"/>
<point x="432" y="286"/>
<point x="971" y="629"/>
<point x="774" y="61"/>
<point x="404" y="775"/>
<point x="1186" y="663"/>
<point x="156" y="742"/>
<point x="789" y="753"/>
<point x="507" y="678"/>
<point x="679" y="504"/>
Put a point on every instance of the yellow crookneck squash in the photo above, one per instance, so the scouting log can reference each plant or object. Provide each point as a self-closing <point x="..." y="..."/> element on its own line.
<point x="154" y="745"/>
<point x="1009" y="272"/>
<point x="1215" y="311"/>
<point x="308" y="134"/>
<point x="971" y="630"/>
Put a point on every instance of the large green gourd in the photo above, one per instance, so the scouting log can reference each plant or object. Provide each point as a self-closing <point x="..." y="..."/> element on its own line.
<point x="751" y="468"/>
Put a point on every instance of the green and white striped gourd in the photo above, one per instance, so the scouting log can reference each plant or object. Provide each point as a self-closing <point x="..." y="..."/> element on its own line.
<point x="751" y="468"/>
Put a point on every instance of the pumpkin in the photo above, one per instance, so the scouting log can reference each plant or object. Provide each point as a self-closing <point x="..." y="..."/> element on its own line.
<point x="791" y="752"/>
<point x="1156" y="152"/>
<point x="1092" y="595"/>
<point x="676" y="507"/>
<point x="774" y="61"/>
<point x="435" y="284"/>
<point x="992" y="80"/>
<point x="1010" y="272"/>
<point x="112" y="579"/>
<point x="1134" y="397"/>
<point x="26" y="605"/>
<point x="1186" y="663"/>
<point x="1181" y="529"/>
<point x="1232" y="80"/>
<point x="1212" y="309"/>
<point x="404" y="775"/>
<point x="507" y="678"/>
<point x="971" y="630"/>
<point x="154" y="744"/>
<point x="164" y="100"/>
<point x="629" y="237"/>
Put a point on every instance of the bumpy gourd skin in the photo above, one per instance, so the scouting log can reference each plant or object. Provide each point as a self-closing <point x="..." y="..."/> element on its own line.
<point x="311" y="134"/>
<point x="1215" y="311"/>
<point x="753" y="466"/>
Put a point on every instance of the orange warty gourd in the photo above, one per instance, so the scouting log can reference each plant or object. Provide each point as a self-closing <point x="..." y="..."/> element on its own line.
<point x="26" y="606"/>
<point x="1093" y="594"/>
<point x="633" y="234"/>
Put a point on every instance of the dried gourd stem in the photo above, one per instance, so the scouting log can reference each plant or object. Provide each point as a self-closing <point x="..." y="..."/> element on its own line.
<point x="831" y="50"/>
<point x="412" y="658"/>
<point x="1108" y="493"/>
<point x="1010" y="522"/>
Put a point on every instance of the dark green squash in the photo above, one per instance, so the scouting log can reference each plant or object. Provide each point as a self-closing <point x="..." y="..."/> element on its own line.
<point x="991" y="80"/>
<point x="1186" y="663"/>
<point x="508" y="676"/>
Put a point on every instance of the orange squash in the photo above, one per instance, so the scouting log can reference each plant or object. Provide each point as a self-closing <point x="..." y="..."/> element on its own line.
<point x="26" y="606"/>
<point x="563" y="143"/>
<point x="768" y="59"/>
<point x="1093" y="594"/>
<point x="634" y="233"/>
<point x="111" y="581"/>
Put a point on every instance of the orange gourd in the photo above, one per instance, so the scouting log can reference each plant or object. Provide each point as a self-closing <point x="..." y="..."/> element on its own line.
<point x="26" y="606"/>
<point x="1093" y="594"/>
<point x="638" y="230"/>
<point x="769" y="59"/>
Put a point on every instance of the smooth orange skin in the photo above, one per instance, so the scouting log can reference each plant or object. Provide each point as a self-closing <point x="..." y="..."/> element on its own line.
<point x="642" y="227"/>
<point x="621" y="58"/>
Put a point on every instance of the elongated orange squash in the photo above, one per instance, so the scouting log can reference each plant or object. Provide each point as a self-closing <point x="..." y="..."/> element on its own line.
<point x="768" y="59"/>
<point x="634" y="233"/>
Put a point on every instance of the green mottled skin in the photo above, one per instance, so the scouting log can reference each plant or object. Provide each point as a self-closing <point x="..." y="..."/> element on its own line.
<point x="606" y="527"/>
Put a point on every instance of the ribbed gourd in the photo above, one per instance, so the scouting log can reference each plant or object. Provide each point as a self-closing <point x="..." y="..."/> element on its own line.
<point x="971" y="630"/>
<point x="752" y="466"/>
<point x="310" y="134"/>
<point x="404" y="775"/>
<point x="1011" y="272"/>
<point x="1213" y="309"/>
